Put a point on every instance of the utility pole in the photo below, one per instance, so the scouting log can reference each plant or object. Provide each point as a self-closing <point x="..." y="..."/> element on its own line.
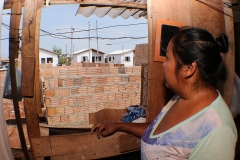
<point x="71" y="54"/>
<point x="89" y="40"/>
<point x="66" y="49"/>
<point x="97" y="35"/>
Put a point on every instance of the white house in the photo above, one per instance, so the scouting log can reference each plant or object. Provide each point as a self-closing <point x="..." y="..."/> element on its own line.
<point x="125" y="57"/>
<point x="46" y="56"/>
<point x="83" y="55"/>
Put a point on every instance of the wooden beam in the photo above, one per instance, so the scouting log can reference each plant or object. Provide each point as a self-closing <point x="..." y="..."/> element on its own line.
<point x="111" y="3"/>
<point x="30" y="37"/>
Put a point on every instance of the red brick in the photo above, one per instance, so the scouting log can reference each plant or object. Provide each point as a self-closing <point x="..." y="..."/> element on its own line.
<point x="100" y="106"/>
<point x="84" y="108"/>
<point x="117" y="79"/>
<point x="82" y="71"/>
<point x="128" y="87"/>
<point x="92" y="108"/>
<point x="53" y="83"/>
<point x="68" y="110"/>
<point x="128" y="102"/>
<point x="122" y="104"/>
<point x="47" y="102"/>
<point x="90" y="70"/>
<point x="111" y="97"/>
<point x="81" y="117"/>
<point x="107" y="105"/>
<point x="138" y="78"/>
<point x="87" y="117"/>
<point x="107" y="88"/>
<point x="63" y="102"/>
<point x="65" y="119"/>
<point x="75" y="110"/>
<point x="98" y="70"/>
<point x="73" y="72"/>
<point x="91" y="89"/>
<point x="49" y="93"/>
<point x="121" y="70"/>
<point x="56" y="119"/>
<point x="81" y="99"/>
<point x="86" y="80"/>
<point x="121" y="87"/>
<point x="60" y="110"/>
<point x="63" y="72"/>
<point x="105" y="70"/>
<point x="94" y="80"/>
<point x="83" y="90"/>
<point x="104" y="98"/>
<point x="125" y="95"/>
<point x="96" y="97"/>
<point x="60" y="82"/>
<point x="68" y="82"/>
<point x="102" y="80"/>
<point x="109" y="79"/>
<point x="99" y="89"/>
<point x="114" y="88"/>
<point x="132" y="95"/>
<point x="131" y="78"/>
<point x="135" y="101"/>
<point x="74" y="90"/>
<point x="124" y="78"/>
<point x="51" y="111"/>
<point x="114" y="104"/>
<point x="119" y="96"/>
<point x="114" y="70"/>
<point x="73" y="118"/>
<point x="88" y="99"/>
<point x="54" y="102"/>
<point x="136" y="86"/>
<point x="72" y="100"/>
<point x="77" y="81"/>
<point x="129" y="70"/>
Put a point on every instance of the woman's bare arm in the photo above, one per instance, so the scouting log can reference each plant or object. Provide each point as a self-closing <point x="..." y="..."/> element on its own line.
<point x="107" y="128"/>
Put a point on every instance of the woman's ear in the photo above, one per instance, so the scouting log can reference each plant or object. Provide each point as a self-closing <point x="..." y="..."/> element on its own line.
<point x="191" y="69"/>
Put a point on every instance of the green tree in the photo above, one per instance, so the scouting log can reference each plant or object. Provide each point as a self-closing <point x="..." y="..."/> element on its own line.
<point x="62" y="58"/>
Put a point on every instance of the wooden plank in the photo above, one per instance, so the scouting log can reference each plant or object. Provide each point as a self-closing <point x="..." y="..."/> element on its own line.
<point x="29" y="33"/>
<point x="41" y="147"/>
<point x="38" y="90"/>
<point x="28" y="73"/>
<point x="128" y="142"/>
<point x="14" y="29"/>
<point x="230" y="56"/>
<point x="144" y="85"/>
<point x="106" y="114"/>
<point x="74" y="146"/>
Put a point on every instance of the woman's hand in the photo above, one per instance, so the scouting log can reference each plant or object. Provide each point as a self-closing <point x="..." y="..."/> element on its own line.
<point x="105" y="128"/>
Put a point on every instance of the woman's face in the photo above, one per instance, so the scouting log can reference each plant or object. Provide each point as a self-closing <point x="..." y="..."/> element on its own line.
<point x="169" y="68"/>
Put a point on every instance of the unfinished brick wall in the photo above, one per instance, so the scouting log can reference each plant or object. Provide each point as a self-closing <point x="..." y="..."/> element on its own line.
<point x="141" y="54"/>
<point x="72" y="92"/>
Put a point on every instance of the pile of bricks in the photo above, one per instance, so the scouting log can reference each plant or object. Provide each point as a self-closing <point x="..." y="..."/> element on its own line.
<point x="71" y="93"/>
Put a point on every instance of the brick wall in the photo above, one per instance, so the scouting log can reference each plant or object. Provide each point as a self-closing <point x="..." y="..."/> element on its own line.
<point x="72" y="92"/>
<point x="141" y="54"/>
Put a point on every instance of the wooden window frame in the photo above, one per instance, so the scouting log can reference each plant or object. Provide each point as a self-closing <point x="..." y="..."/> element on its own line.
<point x="160" y="22"/>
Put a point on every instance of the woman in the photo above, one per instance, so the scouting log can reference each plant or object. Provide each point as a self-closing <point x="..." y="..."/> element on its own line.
<point x="196" y="123"/>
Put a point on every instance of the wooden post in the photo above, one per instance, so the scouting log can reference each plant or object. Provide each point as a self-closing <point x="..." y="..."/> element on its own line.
<point x="30" y="70"/>
<point x="13" y="54"/>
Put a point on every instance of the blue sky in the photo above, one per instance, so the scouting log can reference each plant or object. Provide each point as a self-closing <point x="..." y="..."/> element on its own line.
<point x="60" y="18"/>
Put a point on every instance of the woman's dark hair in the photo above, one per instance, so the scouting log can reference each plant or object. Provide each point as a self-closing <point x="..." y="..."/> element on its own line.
<point x="198" y="45"/>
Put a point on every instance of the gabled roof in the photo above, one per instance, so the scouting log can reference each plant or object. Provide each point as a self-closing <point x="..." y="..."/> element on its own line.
<point x="48" y="51"/>
<point x="120" y="51"/>
<point x="84" y="50"/>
